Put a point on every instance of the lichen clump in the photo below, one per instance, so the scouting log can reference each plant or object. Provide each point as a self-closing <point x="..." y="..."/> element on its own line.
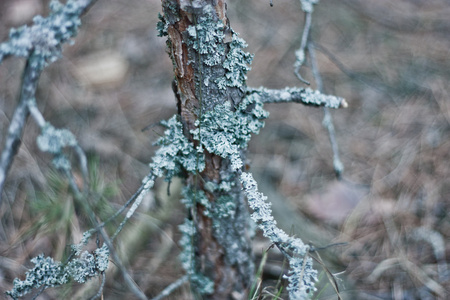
<point x="46" y="36"/>
<point x="50" y="273"/>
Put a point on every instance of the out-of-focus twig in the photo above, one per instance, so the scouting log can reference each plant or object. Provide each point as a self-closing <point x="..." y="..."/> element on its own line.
<point x="132" y="286"/>
<point x="300" y="53"/>
<point x="172" y="287"/>
<point x="41" y="44"/>
<point x="100" y="289"/>
<point x="305" y="96"/>
<point x="376" y="86"/>
<point x="15" y="131"/>
<point x="327" y="119"/>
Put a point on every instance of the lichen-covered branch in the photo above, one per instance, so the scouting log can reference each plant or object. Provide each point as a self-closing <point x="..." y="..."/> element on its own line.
<point x="305" y="96"/>
<point x="81" y="265"/>
<point x="16" y="127"/>
<point x="44" y="39"/>
<point x="205" y="144"/>
<point x="301" y="275"/>
<point x="225" y="134"/>
<point x="41" y="44"/>
<point x="210" y="69"/>
<point x="49" y="273"/>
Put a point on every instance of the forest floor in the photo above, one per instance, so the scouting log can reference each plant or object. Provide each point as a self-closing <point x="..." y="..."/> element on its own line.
<point x="389" y="60"/>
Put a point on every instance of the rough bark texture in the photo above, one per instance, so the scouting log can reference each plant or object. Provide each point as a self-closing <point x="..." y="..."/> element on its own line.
<point x="199" y="39"/>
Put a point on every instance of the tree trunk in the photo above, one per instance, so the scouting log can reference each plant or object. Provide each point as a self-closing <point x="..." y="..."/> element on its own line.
<point x="200" y="44"/>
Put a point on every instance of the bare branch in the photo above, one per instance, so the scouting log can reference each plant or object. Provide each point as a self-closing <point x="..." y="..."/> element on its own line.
<point x="300" y="53"/>
<point x="132" y="286"/>
<point x="100" y="290"/>
<point x="172" y="287"/>
<point x="327" y="119"/>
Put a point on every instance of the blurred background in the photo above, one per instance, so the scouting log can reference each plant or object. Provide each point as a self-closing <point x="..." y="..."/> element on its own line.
<point x="389" y="59"/>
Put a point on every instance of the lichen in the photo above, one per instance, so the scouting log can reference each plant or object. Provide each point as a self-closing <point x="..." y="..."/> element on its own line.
<point x="191" y="197"/>
<point x="162" y="26"/>
<point x="225" y="132"/>
<point x="317" y="98"/>
<point x="50" y="273"/>
<point x="53" y="140"/>
<point x="201" y="283"/>
<point x="236" y="64"/>
<point x="301" y="275"/>
<point x="308" y="5"/>
<point x="206" y="37"/>
<point x="46" y="36"/>
<point x="305" y="96"/>
<point x="46" y="272"/>
<point x="176" y="153"/>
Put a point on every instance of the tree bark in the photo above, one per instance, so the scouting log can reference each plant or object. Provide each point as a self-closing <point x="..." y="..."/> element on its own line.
<point x="199" y="40"/>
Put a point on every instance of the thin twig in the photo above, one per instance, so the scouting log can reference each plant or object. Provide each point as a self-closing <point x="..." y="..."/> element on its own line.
<point x="100" y="290"/>
<point x="137" y="194"/>
<point x="41" y="290"/>
<point x="132" y="286"/>
<point x="349" y="73"/>
<point x="82" y="162"/>
<point x="300" y="53"/>
<point x="172" y="287"/>
<point x="147" y="185"/>
<point x="327" y="119"/>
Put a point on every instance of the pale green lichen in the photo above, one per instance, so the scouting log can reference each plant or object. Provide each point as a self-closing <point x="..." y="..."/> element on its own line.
<point x="50" y="273"/>
<point x="46" y="36"/>
<point x="301" y="275"/>
<point x="46" y="272"/>
<point x="236" y="64"/>
<point x="53" y="140"/>
<point x="226" y="133"/>
<point x="191" y="197"/>
<point x="206" y="37"/>
<point x="308" y="5"/>
<point x="201" y="283"/>
<point x="162" y="26"/>
<point x="176" y="153"/>
<point x="88" y="265"/>
<point x="219" y="60"/>
<point x="305" y="96"/>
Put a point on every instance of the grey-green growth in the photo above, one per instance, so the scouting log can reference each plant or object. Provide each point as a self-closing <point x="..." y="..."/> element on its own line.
<point x="201" y="283"/>
<point x="176" y="153"/>
<point x="46" y="36"/>
<point x="230" y="114"/>
<point x="49" y="273"/>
